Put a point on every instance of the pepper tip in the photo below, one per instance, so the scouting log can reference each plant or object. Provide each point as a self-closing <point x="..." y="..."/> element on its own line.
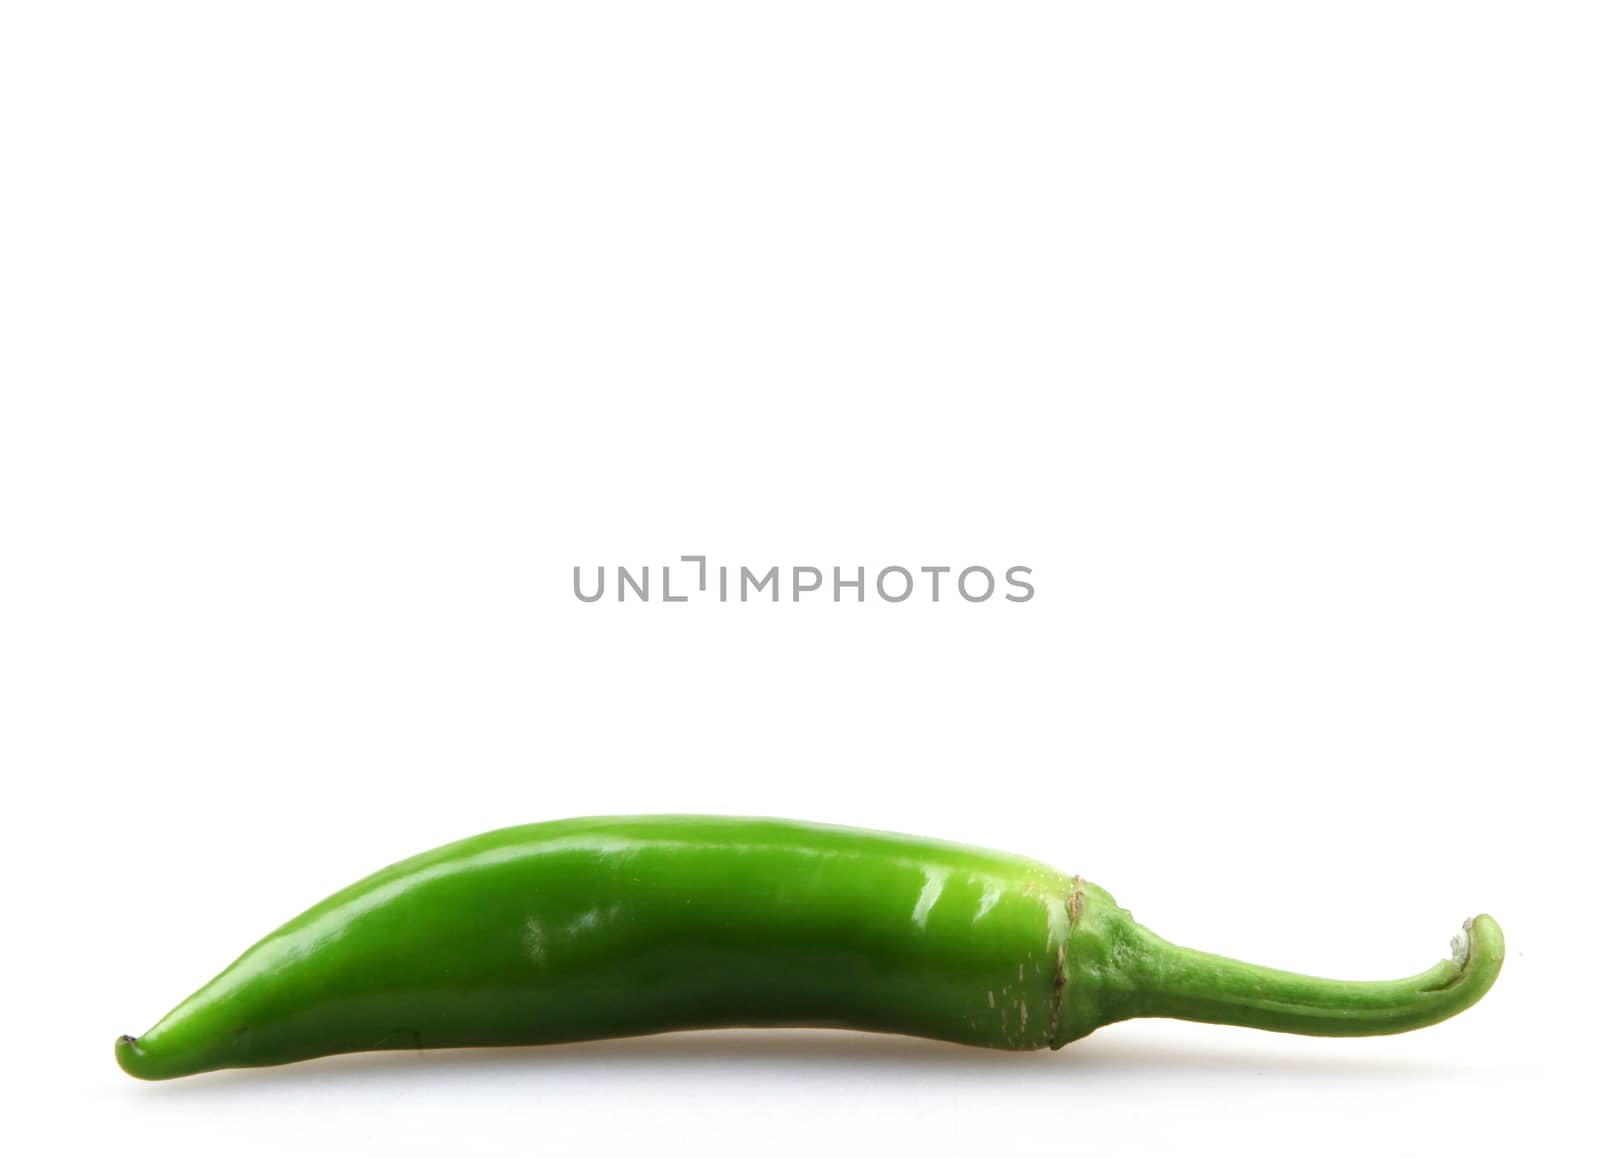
<point x="131" y="1057"/>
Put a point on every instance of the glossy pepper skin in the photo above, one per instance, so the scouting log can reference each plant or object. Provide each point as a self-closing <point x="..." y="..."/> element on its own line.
<point x="612" y="926"/>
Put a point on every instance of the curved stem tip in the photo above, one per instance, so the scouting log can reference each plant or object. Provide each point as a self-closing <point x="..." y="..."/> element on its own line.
<point x="1175" y="982"/>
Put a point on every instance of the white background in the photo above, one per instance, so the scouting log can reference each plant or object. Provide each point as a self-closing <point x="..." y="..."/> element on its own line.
<point x="335" y="335"/>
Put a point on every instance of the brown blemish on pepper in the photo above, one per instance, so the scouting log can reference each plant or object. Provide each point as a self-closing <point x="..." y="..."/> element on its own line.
<point x="1058" y="989"/>
<point x="1075" y="899"/>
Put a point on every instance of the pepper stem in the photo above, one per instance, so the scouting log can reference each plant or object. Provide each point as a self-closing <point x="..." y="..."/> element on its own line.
<point x="1173" y="982"/>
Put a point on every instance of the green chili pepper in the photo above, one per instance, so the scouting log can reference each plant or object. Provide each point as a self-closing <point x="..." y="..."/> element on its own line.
<point x="604" y="927"/>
